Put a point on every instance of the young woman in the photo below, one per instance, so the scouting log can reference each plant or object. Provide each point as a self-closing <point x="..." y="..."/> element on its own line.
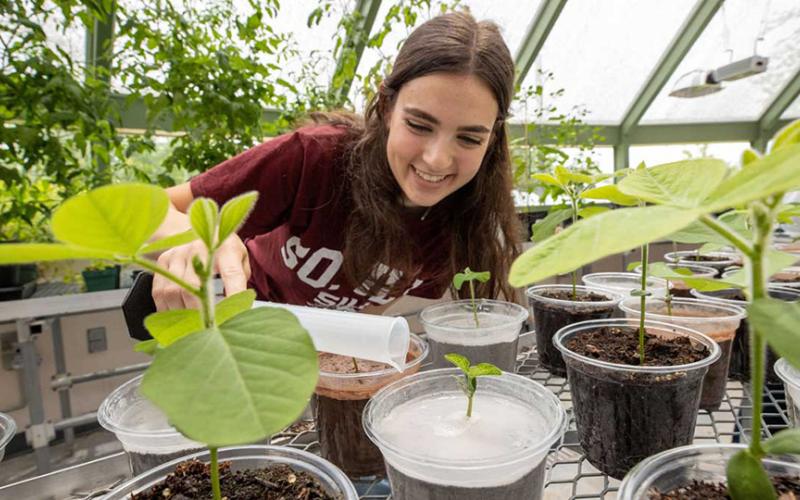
<point x="354" y="213"/>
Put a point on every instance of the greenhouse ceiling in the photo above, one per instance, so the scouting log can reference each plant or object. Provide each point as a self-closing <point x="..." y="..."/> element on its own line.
<point x="618" y="60"/>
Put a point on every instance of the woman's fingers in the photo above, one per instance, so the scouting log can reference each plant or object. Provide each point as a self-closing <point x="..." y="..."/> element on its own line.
<point x="233" y="265"/>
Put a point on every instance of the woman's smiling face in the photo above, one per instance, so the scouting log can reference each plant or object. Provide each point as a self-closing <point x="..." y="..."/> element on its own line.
<point x="440" y="126"/>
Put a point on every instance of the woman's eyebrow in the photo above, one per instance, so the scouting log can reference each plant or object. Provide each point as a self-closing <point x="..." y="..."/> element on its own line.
<point x="428" y="117"/>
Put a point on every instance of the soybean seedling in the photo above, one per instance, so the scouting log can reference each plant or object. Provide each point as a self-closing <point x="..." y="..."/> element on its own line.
<point x="471" y="373"/>
<point x="471" y="276"/>
<point x="115" y="224"/>
<point x="685" y="197"/>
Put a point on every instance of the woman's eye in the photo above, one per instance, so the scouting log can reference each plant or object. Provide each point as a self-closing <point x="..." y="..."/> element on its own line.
<point x="417" y="126"/>
<point x="471" y="140"/>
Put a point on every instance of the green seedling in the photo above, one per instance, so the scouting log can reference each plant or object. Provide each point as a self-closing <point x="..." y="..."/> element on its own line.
<point x="471" y="373"/>
<point x="572" y="185"/>
<point x="683" y="198"/>
<point x="471" y="276"/>
<point x="225" y="374"/>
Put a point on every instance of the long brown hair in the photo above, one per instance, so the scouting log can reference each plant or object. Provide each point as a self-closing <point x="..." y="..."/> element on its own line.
<point x="484" y="231"/>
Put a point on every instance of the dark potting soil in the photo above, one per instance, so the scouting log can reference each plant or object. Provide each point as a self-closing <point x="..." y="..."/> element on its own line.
<point x="684" y="293"/>
<point x="141" y="462"/>
<point x="621" y="345"/>
<point x="549" y="318"/>
<point x="342" y="439"/>
<point x="716" y="379"/>
<point x="704" y="258"/>
<point x="502" y="355"/>
<point x="191" y="480"/>
<point x="624" y="417"/>
<point x="788" y="488"/>
<point x="404" y="487"/>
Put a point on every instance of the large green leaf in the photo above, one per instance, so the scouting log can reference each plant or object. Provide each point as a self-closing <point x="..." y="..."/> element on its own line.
<point x="169" y="242"/>
<point x="698" y="232"/>
<point x="168" y="327"/>
<point x="774" y="173"/>
<point x="234" y="213"/>
<point x="787" y="136"/>
<point x="547" y="179"/>
<point x="484" y="369"/>
<point x="237" y="383"/>
<point x="747" y="479"/>
<point x="118" y="218"/>
<point x="233" y="305"/>
<point x="592" y="210"/>
<point x="458" y="360"/>
<point x="611" y="193"/>
<point x="777" y="321"/>
<point x="591" y="239"/>
<point x="23" y="253"/>
<point x="681" y="184"/>
<point x="545" y="228"/>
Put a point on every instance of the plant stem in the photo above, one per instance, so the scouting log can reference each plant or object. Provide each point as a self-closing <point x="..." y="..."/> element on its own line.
<point x="668" y="300"/>
<point x="474" y="307"/>
<point x="574" y="201"/>
<point x="150" y="266"/>
<point x="763" y="229"/>
<point x="214" y="468"/>
<point x="355" y="365"/>
<point x="643" y="302"/>
<point x="469" y="405"/>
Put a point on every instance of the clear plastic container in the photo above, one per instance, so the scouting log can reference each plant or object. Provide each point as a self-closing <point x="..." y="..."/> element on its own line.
<point x="625" y="413"/>
<point x="250" y="457"/>
<point x="677" y="287"/>
<point x="717" y="260"/>
<point x="451" y="328"/>
<point x="338" y="403"/>
<point x="551" y="314"/>
<point x="739" y="368"/>
<point x="789" y="277"/>
<point x="791" y="382"/>
<point x="7" y="430"/>
<point x="142" y="428"/>
<point x="714" y="319"/>
<point x="680" y="466"/>
<point x="433" y="451"/>
<point x="624" y="283"/>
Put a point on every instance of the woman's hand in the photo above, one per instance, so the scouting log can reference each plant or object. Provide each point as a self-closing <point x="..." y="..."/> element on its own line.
<point x="231" y="262"/>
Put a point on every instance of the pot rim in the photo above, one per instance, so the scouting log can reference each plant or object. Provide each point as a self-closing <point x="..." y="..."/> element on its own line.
<point x="415" y="339"/>
<point x="534" y="293"/>
<point x="783" y="369"/>
<point x="652" y="280"/>
<point x="542" y="446"/>
<point x="9" y="428"/>
<point x="520" y="316"/>
<point x="647" y="468"/>
<point x="560" y="336"/>
<point x="730" y="312"/>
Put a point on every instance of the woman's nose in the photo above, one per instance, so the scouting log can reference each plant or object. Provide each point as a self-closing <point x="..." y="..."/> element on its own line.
<point x="438" y="155"/>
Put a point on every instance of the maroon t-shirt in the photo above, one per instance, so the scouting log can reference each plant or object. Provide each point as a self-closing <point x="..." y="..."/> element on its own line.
<point x="295" y="235"/>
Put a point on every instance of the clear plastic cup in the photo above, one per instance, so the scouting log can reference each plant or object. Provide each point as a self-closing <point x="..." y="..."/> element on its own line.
<point x="433" y="451"/>
<point x="789" y="277"/>
<point x="551" y="314"/>
<point x="339" y="401"/>
<point x="624" y="283"/>
<point x="142" y="428"/>
<point x="625" y="413"/>
<point x="243" y="458"/>
<point x="791" y="382"/>
<point x="7" y="430"/>
<point x="717" y="260"/>
<point x="679" y="467"/>
<point x="739" y="368"/>
<point x="713" y="319"/>
<point x="677" y="287"/>
<point x="450" y="327"/>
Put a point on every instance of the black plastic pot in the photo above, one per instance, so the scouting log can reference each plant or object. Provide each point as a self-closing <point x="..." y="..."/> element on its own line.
<point x="17" y="281"/>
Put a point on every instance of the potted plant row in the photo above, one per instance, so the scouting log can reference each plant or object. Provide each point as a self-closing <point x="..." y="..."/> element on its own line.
<point x="681" y="196"/>
<point x="225" y="375"/>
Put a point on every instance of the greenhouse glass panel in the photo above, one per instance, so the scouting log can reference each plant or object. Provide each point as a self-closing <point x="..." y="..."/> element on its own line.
<point x="731" y="36"/>
<point x="729" y="152"/>
<point x="67" y="36"/>
<point x="793" y="111"/>
<point x="513" y="18"/>
<point x="601" y="53"/>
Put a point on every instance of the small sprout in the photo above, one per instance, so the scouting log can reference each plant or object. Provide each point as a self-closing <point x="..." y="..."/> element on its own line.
<point x="469" y="275"/>
<point x="471" y="373"/>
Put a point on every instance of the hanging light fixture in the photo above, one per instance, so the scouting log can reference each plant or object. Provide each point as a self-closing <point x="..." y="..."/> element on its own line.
<point x="695" y="83"/>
